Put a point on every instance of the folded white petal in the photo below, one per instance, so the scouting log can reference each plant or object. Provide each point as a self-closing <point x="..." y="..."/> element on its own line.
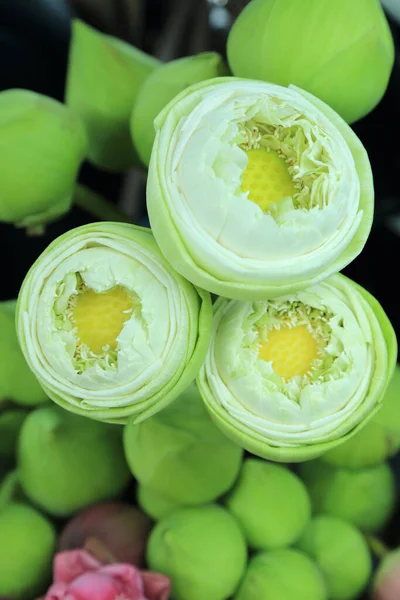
<point x="243" y="389"/>
<point x="195" y="197"/>
<point x="158" y="338"/>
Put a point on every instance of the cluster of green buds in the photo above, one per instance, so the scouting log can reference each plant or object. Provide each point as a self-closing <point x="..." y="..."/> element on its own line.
<point x="267" y="534"/>
<point x="258" y="192"/>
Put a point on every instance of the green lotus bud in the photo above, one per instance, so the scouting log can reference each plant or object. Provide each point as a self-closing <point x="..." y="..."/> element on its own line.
<point x="42" y="146"/>
<point x="181" y="454"/>
<point x="10" y="424"/>
<point x="256" y="190"/>
<point x="108" y="327"/>
<point x="66" y="462"/>
<point x="27" y="543"/>
<point x="154" y="504"/>
<point x="162" y="86"/>
<point x="271" y="504"/>
<point x="340" y="51"/>
<point x="17" y="382"/>
<point x="365" y="497"/>
<point x="289" y="378"/>
<point x="104" y="77"/>
<point x="341" y="553"/>
<point x="380" y="438"/>
<point x="202" y="550"/>
<point x="282" y="574"/>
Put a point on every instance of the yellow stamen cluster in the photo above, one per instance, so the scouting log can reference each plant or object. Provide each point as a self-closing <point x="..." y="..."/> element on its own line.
<point x="266" y="178"/>
<point x="292" y="350"/>
<point x="99" y="317"/>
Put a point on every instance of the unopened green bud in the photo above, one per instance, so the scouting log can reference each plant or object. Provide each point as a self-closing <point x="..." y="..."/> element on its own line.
<point x="17" y="382"/>
<point x="341" y="553"/>
<point x="181" y="454"/>
<point x="162" y="86"/>
<point x="342" y="51"/>
<point x="104" y="77"/>
<point x="202" y="550"/>
<point x="154" y="504"/>
<point x="27" y="542"/>
<point x="380" y="438"/>
<point x="363" y="497"/>
<point x="271" y="504"/>
<point x="282" y="574"/>
<point x="43" y="144"/>
<point x="67" y="462"/>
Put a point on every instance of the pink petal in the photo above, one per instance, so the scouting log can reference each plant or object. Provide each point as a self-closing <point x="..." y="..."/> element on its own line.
<point x="95" y="586"/>
<point x="127" y="577"/>
<point x="156" y="585"/>
<point x="58" y="591"/>
<point x="67" y="566"/>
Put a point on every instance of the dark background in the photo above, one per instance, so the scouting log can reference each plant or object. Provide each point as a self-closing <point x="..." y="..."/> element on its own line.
<point x="34" y="40"/>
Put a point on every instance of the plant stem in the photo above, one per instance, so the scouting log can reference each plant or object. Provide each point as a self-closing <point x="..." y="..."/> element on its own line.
<point x="98" y="206"/>
<point x="377" y="546"/>
<point x="99" y="550"/>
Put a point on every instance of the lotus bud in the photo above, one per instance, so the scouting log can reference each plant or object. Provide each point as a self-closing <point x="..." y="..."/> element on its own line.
<point x="43" y="144"/>
<point x="380" y="438"/>
<point x="103" y="80"/>
<point x="202" y="550"/>
<point x="281" y="574"/>
<point x="342" y="52"/>
<point x="255" y="190"/>
<point x="162" y="86"/>
<point x="17" y="382"/>
<point x="10" y="424"/>
<point x="181" y="454"/>
<point x="290" y="378"/>
<point x="386" y="584"/>
<point x="66" y="463"/>
<point x="271" y="505"/>
<point x="154" y="504"/>
<point x="364" y="497"/>
<point x="108" y="327"/>
<point x="27" y="541"/>
<point x="121" y="528"/>
<point x="341" y="553"/>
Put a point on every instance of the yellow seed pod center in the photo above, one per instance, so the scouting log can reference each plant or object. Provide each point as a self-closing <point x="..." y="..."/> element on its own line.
<point x="99" y="317"/>
<point x="266" y="178"/>
<point x="291" y="350"/>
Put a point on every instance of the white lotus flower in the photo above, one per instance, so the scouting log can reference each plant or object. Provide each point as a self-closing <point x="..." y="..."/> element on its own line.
<point x="292" y="377"/>
<point x="108" y="327"/>
<point x="257" y="190"/>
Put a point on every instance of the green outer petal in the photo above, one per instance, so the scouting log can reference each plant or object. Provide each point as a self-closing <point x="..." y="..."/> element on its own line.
<point x="103" y="80"/>
<point x="173" y="246"/>
<point x="386" y="358"/>
<point x="161" y="86"/>
<point x="179" y="382"/>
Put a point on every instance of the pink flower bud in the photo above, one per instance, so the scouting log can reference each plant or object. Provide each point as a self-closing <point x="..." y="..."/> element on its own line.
<point x="387" y="579"/>
<point x="80" y="576"/>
